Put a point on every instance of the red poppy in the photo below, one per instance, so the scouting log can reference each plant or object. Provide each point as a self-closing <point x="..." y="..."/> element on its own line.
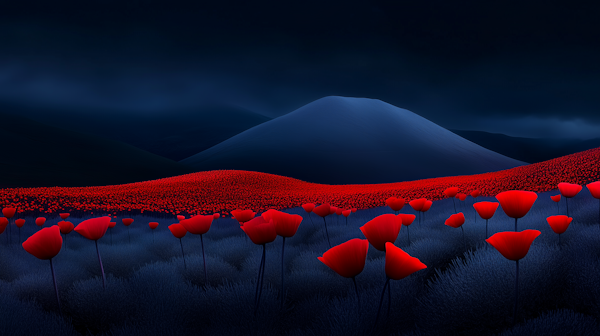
<point x="44" y="244"/>
<point x="339" y="211"/>
<point x="513" y="245"/>
<point x="560" y="223"/>
<point x="177" y="230"/>
<point x="180" y="217"/>
<point x="216" y="215"/>
<point x="569" y="190"/>
<point x="382" y="229"/>
<point x="20" y="222"/>
<point x="64" y="216"/>
<point x="418" y="204"/>
<point x="243" y="216"/>
<point x="347" y="259"/>
<point x="322" y="210"/>
<point x="396" y="204"/>
<point x="9" y="212"/>
<point x="594" y="189"/>
<point x="40" y="221"/>
<point x="475" y="193"/>
<point x="197" y="224"/>
<point x="308" y="207"/>
<point x="486" y="210"/>
<point x="3" y="224"/>
<point x="286" y="224"/>
<point x="127" y="221"/>
<point x="456" y="220"/>
<point x="346" y="213"/>
<point x="332" y="210"/>
<point x="516" y="203"/>
<point x="399" y="264"/>
<point x="112" y="224"/>
<point x="93" y="228"/>
<point x="426" y="206"/>
<point x="153" y="225"/>
<point x="354" y="209"/>
<point x="461" y="196"/>
<point x="451" y="192"/>
<point x="260" y="231"/>
<point x="407" y="219"/>
<point x="556" y="198"/>
<point x="65" y="227"/>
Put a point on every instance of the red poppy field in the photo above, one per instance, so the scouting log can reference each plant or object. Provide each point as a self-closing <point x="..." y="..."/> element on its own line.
<point x="507" y="253"/>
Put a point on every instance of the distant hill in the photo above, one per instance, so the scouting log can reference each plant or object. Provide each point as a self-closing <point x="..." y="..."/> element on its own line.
<point x="528" y="149"/>
<point x="37" y="155"/>
<point x="173" y="134"/>
<point x="338" y="140"/>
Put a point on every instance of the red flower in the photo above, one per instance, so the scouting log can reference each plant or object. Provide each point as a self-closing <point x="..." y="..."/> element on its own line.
<point x="347" y="259"/>
<point x="516" y="203"/>
<point x="396" y="204"/>
<point x="112" y="224"/>
<point x="286" y="224"/>
<point x="3" y="224"/>
<point x="486" y="210"/>
<point x="243" y="216"/>
<point x="65" y="227"/>
<point x="9" y="212"/>
<point x="398" y="264"/>
<point x="451" y="192"/>
<point x="354" y="209"/>
<point x="216" y="215"/>
<point x="180" y="217"/>
<point x="197" y="224"/>
<point x="407" y="219"/>
<point x="338" y="211"/>
<point x="555" y="198"/>
<point x="594" y="189"/>
<point x="322" y="210"/>
<point x="127" y="221"/>
<point x="44" y="244"/>
<point x="418" y="204"/>
<point x="456" y="220"/>
<point x="177" y="230"/>
<point x="20" y="222"/>
<point x="382" y="229"/>
<point x="513" y="245"/>
<point x="560" y="223"/>
<point x="93" y="228"/>
<point x="40" y="221"/>
<point x="569" y="190"/>
<point x="426" y="206"/>
<point x="346" y="213"/>
<point x="308" y="207"/>
<point x="260" y="231"/>
<point x="153" y="225"/>
<point x="332" y="210"/>
<point x="475" y="193"/>
<point x="64" y="216"/>
<point x="461" y="196"/>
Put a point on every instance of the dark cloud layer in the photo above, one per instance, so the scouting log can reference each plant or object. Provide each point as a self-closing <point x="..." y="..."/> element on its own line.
<point x="524" y="68"/>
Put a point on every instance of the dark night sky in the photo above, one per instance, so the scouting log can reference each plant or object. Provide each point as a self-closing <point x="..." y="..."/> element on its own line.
<point x="523" y="68"/>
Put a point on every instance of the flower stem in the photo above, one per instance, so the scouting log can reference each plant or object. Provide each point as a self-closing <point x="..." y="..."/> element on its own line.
<point x="183" y="254"/>
<point x="129" y="235"/>
<point x="101" y="267"/>
<point x="454" y="202"/>
<point x="55" y="286"/>
<point x="516" y="294"/>
<point x="567" y="200"/>
<point x="328" y="242"/>
<point x="204" y="260"/>
<point x="463" y="234"/>
<point x="486" y="229"/>
<point x="261" y="279"/>
<point x="282" y="274"/>
<point x="408" y="233"/>
<point x="356" y="289"/>
<point x="516" y="224"/>
<point x="381" y="301"/>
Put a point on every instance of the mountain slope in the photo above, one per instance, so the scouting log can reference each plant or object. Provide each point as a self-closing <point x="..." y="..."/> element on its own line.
<point x="338" y="140"/>
<point x="528" y="149"/>
<point x="37" y="155"/>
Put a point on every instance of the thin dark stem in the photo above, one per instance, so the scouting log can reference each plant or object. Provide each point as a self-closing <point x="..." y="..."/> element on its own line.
<point x="346" y="221"/>
<point x="381" y="301"/>
<point x="463" y="234"/>
<point x="559" y="240"/>
<point x="356" y="289"/>
<point x="101" y="267"/>
<point x="408" y="233"/>
<point x="486" y="229"/>
<point x="65" y="240"/>
<point x="311" y="221"/>
<point x="111" y="237"/>
<point x="20" y="234"/>
<point x="152" y="236"/>
<point x="516" y="294"/>
<point x="516" y="224"/>
<point x="261" y="280"/>
<point x="55" y="286"/>
<point x="258" y="277"/>
<point x="183" y="254"/>
<point x="567" y="200"/>
<point x="9" y="233"/>
<point x="454" y="202"/>
<point x="558" y="208"/>
<point x="389" y="300"/>
<point x="282" y="274"/>
<point x="204" y="260"/>
<point x="326" y="232"/>
<point x="129" y="235"/>
<point x="599" y="211"/>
